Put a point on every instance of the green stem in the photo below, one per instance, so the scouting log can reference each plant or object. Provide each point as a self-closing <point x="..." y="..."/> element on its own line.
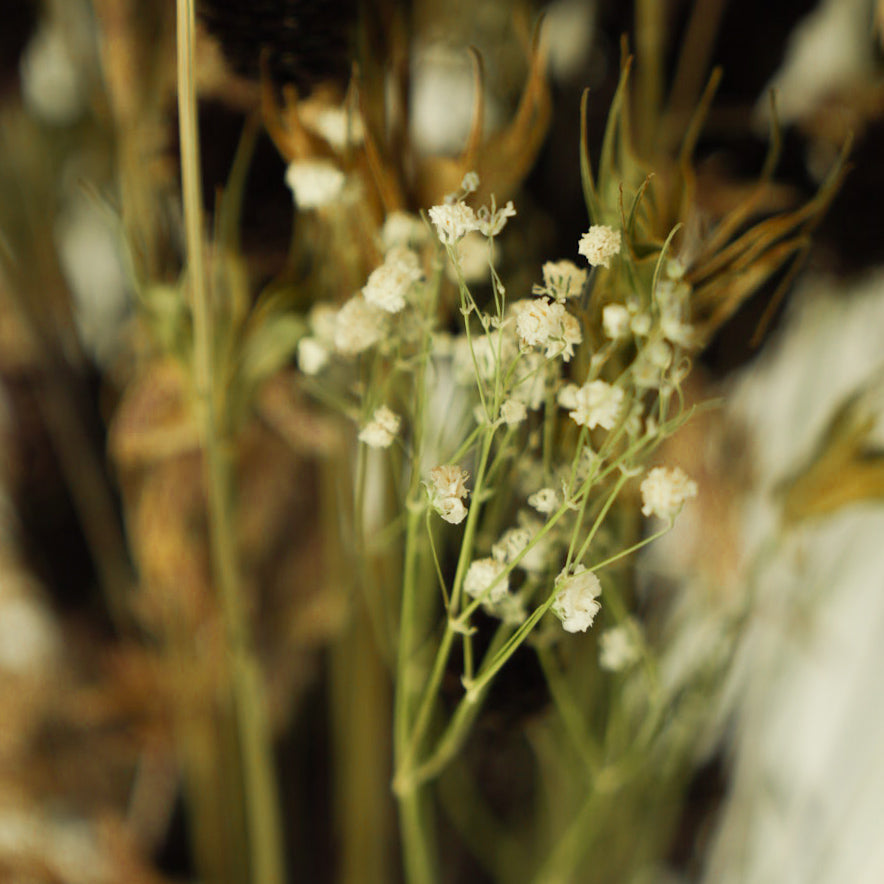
<point x="430" y="692"/>
<point x="247" y="688"/>
<point x="570" y="711"/>
<point x="574" y="843"/>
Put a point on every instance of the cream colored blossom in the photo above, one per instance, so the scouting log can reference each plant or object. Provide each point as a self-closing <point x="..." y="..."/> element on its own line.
<point x="402" y="229"/>
<point x="640" y="324"/>
<point x="561" y="280"/>
<point x="575" y="603"/>
<point x="513" y="412"/>
<point x="323" y="320"/>
<point x="618" y="649"/>
<point x="599" y="244"/>
<point x="447" y="488"/>
<point x="481" y="574"/>
<point x="537" y="558"/>
<point x="664" y="492"/>
<point x="473" y="258"/>
<point x="389" y="284"/>
<point x="314" y="183"/>
<point x="615" y="321"/>
<point x="470" y="183"/>
<point x="546" y="323"/>
<point x="312" y="355"/>
<point x="382" y="429"/>
<point x="570" y="337"/>
<point x="358" y="326"/>
<point x="596" y="404"/>
<point x="651" y="364"/>
<point x="492" y="221"/>
<point x="453" y="221"/>
<point x="567" y="396"/>
<point x="545" y="501"/>
<point x="538" y="321"/>
<point x="673" y="300"/>
<point x="340" y="128"/>
<point x="511" y="543"/>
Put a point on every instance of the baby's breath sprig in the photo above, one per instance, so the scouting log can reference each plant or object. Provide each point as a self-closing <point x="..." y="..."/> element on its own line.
<point x="507" y="503"/>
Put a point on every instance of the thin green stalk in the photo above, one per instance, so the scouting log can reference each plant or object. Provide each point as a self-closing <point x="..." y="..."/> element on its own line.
<point x="411" y="743"/>
<point x="458" y="726"/>
<point x="574" y="843"/>
<point x="572" y="715"/>
<point x="600" y="517"/>
<point x="259" y="780"/>
<point x="416" y="837"/>
<point x="630" y="549"/>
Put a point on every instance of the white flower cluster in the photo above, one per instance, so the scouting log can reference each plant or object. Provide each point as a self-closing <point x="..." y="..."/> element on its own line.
<point x="513" y="412"/>
<point x="402" y="229"/>
<point x="618" y="649"/>
<point x="652" y="363"/>
<point x="599" y="244"/>
<point x="358" y="326"/>
<point x="595" y="404"/>
<point x="545" y="501"/>
<point x="511" y="543"/>
<point x="313" y="350"/>
<point x="576" y="602"/>
<point x="492" y="221"/>
<point x="454" y="219"/>
<point x="337" y="125"/>
<point x="314" y="183"/>
<point x="448" y="490"/>
<point x="382" y="429"/>
<point x="561" y="280"/>
<point x="545" y="323"/>
<point x="673" y="298"/>
<point x="389" y="284"/>
<point x="661" y="329"/>
<point x="664" y="492"/>
<point x="481" y="574"/>
<point x="615" y="321"/>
